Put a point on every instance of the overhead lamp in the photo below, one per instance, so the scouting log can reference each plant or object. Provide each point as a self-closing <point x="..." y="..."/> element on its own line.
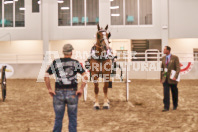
<point x="114" y="7"/>
<point x="115" y="14"/>
<point x="22" y="8"/>
<point x="64" y="8"/>
<point x="60" y="1"/>
<point x="8" y="2"/>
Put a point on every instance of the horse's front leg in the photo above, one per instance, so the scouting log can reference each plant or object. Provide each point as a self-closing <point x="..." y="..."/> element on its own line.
<point x="105" y="90"/>
<point x="96" y="90"/>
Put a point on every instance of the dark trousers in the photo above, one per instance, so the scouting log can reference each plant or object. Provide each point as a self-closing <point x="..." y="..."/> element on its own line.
<point x="174" y="91"/>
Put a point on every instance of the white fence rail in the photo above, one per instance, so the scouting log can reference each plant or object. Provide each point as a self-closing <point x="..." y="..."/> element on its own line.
<point x="158" y="56"/>
<point x="21" y="58"/>
<point x="144" y="56"/>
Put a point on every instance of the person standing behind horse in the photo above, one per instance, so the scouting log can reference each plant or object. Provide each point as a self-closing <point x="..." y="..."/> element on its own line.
<point x="170" y="62"/>
<point x="66" y="93"/>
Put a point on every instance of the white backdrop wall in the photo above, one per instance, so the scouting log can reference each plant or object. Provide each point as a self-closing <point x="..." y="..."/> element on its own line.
<point x="23" y="71"/>
<point x="21" y="51"/>
<point x="183" y="45"/>
<point x="86" y="45"/>
<point x="183" y="19"/>
<point x="183" y="48"/>
<point x="33" y="22"/>
<point x="182" y="23"/>
<point x="118" y="32"/>
<point x="117" y="43"/>
<point x="31" y="31"/>
<point x="80" y="46"/>
<point x="21" y="47"/>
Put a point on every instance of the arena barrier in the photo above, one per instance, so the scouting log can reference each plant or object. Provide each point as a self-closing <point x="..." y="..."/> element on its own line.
<point x="3" y="82"/>
<point x="6" y="71"/>
<point x="23" y="63"/>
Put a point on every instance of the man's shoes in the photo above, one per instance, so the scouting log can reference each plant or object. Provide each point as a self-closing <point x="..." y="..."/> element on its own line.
<point x="174" y="108"/>
<point x="165" y="110"/>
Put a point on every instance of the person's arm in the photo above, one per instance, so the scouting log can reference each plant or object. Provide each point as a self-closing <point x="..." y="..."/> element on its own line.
<point x="84" y="82"/>
<point x="47" y="83"/>
<point x="177" y="68"/>
<point x="162" y="69"/>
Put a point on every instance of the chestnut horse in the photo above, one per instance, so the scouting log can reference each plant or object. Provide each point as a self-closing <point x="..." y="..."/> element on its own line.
<point x="100" y="64"/>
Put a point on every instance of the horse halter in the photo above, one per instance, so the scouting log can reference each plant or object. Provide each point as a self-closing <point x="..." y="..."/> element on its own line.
<point x="104" y="38"/>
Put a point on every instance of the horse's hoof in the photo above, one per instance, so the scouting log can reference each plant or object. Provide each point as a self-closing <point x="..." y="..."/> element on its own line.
<point x="96" y="107"/>
<point x="106" y="107"/>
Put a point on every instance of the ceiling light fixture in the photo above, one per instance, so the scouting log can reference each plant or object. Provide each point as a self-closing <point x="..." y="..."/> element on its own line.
<point x="39" y="2"/>
<point x="22" y="9"/>
<point x="115" y="14"/>
<point x="60" y="1"/>
<point x="8" y="2"/>
<point x="64" y="8"/>
<point x="114" y="7"/>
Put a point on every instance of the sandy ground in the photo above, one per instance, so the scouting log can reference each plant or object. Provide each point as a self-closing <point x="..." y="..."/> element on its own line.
<point x="28" y="107"/>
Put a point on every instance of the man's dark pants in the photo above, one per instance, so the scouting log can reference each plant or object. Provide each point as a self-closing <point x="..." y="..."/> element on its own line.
<point x="174" y="91"/>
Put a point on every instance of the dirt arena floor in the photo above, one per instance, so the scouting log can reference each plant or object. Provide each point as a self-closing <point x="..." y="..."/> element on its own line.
<point x="28" y="107"/>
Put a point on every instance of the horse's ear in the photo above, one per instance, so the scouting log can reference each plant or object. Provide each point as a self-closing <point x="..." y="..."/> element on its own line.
<point x="109" y="35"/>
<point x="98" y="36"/>
<point x="98" y="27"/>
<point x="106" y="27"/>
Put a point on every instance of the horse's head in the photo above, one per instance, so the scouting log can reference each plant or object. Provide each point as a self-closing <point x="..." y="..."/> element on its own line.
<point x="103" y="38"/>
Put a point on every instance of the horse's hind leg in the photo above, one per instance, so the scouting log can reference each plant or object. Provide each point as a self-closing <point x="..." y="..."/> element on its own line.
<point x="106" y="101"/>
<point x="96" y="90"/>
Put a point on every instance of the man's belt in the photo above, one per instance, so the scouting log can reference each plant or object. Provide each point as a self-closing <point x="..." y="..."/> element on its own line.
<point x="66" y="89"/>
